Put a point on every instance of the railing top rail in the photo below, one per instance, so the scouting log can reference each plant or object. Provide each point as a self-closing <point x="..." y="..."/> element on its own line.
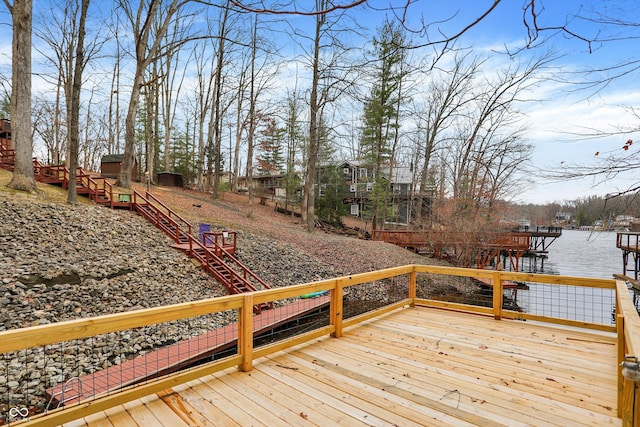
<point x="631" y="319"/>
<point x="17" y="339"/>
<point x="150" y="196"/>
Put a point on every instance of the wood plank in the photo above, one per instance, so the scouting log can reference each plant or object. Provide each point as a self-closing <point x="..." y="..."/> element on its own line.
<point x="232" y="408"/>
<point x="119" y="416"/>
<point x="259" y="412"/>
<point x="504" y="340"/>
<point x="99" y="419"/>
<point x="478" y="363"/>
<point x="174" y="405"/>
<point x="203" y="408"/>
<point x="414" y="367"/>
<point x="508" y="403"/>
<point x="237" y="385"/>
<point x="165" y="413"/>
<point x="438" y="395"/>
<point x="477" y="357"/>
<point x="304" y="385"/>
<point x="307" y="406"/>
<point x="374" y="399"/>
<point x="595" y="367"/>
<point x="141" y="414"/>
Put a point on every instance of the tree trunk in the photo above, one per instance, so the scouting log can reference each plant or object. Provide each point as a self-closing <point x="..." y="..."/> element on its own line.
<point x="128" y="160"/>
<point x="22" y="178"/>
<point x="74" y="120"/>
<point x="308" y="204"/>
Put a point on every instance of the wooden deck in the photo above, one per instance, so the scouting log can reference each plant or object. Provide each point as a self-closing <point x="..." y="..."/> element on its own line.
<point x="413" y="367"/>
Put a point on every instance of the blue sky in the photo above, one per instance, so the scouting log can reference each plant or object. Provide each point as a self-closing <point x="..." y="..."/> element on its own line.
<point x="559" y="121"/>
<point x="563" y="114"/>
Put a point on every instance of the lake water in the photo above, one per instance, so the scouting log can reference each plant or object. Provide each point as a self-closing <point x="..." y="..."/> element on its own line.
<point x="581" y="254"/>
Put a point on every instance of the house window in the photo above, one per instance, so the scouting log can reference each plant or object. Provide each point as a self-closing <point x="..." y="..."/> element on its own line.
<point x="363" y="173"/>
<point x="323" y="189"/>
<point x="345" y="171"/>
<point x="353" y="188"/>
<point x="369" y="185"/>
<point x="354" y="210"/>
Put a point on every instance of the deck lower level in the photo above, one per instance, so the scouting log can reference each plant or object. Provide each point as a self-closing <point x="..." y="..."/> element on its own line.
<point x="413" y="367"/>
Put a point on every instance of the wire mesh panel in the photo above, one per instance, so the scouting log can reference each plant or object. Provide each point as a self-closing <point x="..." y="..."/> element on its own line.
<point x="456" y="289"/>
<point x="38" y="379"/>
<point x="576" y="303"/>
<point x="292" y="317"/>
<point x="370" y="296"/>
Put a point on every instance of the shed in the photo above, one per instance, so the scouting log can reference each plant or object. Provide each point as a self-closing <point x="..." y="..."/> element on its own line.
<point x="111" y="163"/>
<point x="170" y="179"/>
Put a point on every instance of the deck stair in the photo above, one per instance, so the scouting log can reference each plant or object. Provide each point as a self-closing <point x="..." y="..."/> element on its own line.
<point x="214" y="253"/>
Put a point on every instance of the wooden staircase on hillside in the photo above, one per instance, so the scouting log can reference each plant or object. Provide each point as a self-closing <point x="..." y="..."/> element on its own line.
<point x="215" y="256"/>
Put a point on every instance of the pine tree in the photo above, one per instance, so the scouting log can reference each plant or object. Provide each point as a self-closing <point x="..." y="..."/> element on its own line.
<point x="271" y="148"/>
<point x="381" y="111"/>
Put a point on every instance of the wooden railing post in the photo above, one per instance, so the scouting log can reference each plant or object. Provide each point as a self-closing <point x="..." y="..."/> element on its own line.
<point x="497" y="295"/>
<point x="336" y="308"/>
<point x="245" y="333"/>
<point x="412" y="287"/>
<point x="621" y="351"/>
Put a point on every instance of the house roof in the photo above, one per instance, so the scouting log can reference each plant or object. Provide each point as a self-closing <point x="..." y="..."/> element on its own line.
<point x="400" y="175"/>
<point x="112" y="158"/>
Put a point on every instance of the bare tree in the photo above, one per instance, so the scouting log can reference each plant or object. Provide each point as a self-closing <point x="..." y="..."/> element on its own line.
<point x="22" y="178"/>
<point x="489" y="130"/>
<point x="114" y="122"/>
<point x="308" y="200"/>
<point x="70" y="55"/>
<point x="46" y="125"/>
<point x="170" y="84"/>
<point x="74" y="119"/>
<point x="148" y="44"/>
<point x="215" y="124"/>
<point x="328" y="81"/>
<point x="252" y="119"/>
<point x="444" y="102"/>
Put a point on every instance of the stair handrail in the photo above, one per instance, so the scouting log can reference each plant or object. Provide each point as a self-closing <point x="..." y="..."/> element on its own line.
<point x="209" y="254"/>
<point x="169" y="210"/>
<point x="158" y="214"/>
<point x="245" y="269"/>
<point x="233" y="275"/>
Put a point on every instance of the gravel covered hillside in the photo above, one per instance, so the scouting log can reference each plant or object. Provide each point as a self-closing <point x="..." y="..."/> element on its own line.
<point x="59" y="262"/>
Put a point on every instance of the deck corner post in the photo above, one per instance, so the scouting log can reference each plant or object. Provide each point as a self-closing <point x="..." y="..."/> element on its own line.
<point x="336" y="308"/>
<point x="245" y="333"/>
<point x="497" y="295"/>
<point x="412" y="286"/>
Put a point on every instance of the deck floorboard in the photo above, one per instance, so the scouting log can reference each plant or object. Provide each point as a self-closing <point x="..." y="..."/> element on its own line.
<point x="411" y="367"/>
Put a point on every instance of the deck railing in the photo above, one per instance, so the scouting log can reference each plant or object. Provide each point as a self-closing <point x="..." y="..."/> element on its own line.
<point x="186" y="225"/>
<point x="63" y="354"/>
